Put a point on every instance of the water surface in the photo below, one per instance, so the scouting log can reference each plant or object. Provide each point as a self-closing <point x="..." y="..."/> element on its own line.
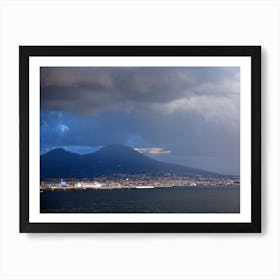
<point x="156" y="200"/>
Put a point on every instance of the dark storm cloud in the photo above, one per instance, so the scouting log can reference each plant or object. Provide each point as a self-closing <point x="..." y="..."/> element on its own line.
<point x="100" y="89"/>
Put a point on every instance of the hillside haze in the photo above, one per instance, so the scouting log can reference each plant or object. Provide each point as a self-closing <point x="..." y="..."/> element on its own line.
<point x="109" y="161"/>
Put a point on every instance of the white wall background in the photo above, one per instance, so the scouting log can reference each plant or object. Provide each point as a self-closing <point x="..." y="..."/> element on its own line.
<point x="139" y="256"/>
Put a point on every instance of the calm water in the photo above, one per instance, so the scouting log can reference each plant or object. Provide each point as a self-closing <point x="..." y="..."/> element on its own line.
<point x="157" y="200"/>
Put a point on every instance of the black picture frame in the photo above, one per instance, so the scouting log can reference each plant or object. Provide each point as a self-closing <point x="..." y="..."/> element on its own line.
<point x="254" y="52"/>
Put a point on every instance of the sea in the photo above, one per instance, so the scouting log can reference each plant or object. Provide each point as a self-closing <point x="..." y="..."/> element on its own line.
<point x="199" y="199"/>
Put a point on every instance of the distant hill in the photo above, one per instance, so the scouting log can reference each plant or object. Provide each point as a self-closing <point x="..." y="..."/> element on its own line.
<point x="109" y="161"/>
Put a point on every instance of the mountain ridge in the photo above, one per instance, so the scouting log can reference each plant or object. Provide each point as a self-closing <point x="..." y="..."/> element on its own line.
<point x="109" y="161"/>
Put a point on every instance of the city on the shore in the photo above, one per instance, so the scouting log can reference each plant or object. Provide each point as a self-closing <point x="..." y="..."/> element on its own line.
<point x="135" y="181"/>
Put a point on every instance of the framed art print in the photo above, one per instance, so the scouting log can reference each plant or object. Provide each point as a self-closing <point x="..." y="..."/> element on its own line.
<point x="140" y="138"/>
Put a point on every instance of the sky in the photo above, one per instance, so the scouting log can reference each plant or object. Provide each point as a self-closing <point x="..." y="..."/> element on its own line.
<point x="184" y="115"/>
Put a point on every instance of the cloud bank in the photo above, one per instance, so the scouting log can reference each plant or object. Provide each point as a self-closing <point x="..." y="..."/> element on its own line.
<point x="92" y="91"/>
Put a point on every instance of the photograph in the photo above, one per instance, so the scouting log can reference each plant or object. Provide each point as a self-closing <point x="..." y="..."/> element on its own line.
<point x="139" y="139"/>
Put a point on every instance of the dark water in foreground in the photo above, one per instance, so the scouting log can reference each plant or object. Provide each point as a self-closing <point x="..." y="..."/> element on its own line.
<point x="157" y="200"/>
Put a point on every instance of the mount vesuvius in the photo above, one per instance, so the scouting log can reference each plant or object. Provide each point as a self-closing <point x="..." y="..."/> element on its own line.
<point x="109" y="161"/>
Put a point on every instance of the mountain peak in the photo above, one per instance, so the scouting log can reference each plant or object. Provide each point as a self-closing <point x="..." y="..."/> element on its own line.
<point x="57" y="151"/>
<point x="116" y="147"/>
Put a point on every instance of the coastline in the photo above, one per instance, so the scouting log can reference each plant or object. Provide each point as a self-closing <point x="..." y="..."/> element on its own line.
<point x="57" y="189"/>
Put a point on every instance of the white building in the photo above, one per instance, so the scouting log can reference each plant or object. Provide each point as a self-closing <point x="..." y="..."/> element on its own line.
<point x="92" y="185"/>
<point x="63" y="183"/>
<point x="78" y="185"/>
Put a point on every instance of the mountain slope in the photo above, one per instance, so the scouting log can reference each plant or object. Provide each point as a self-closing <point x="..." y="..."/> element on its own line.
<point x="108" y="161"/>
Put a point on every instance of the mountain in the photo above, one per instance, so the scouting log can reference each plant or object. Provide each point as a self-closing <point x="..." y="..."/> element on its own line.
<point x="109" y="161"/>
